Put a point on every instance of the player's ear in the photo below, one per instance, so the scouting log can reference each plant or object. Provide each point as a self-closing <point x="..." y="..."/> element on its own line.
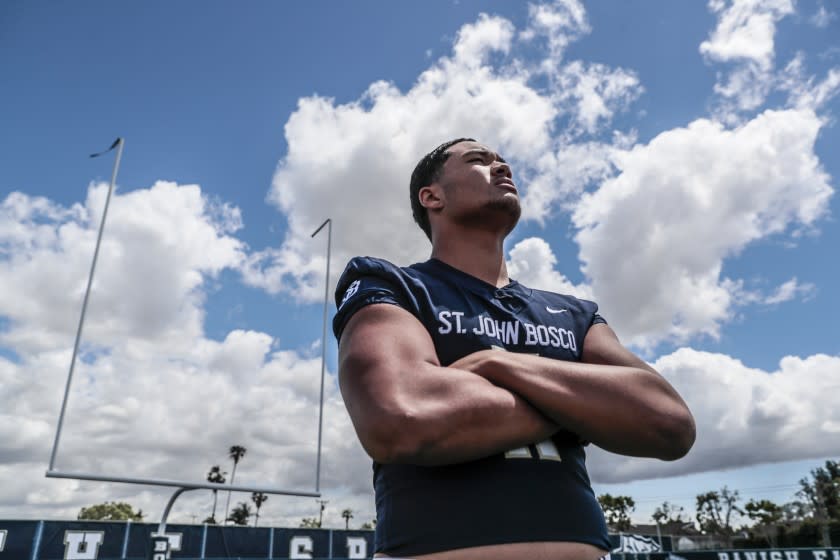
<point x="431" y="197"/>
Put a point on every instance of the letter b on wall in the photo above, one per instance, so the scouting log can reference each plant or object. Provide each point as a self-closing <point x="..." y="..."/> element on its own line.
<point x="160" y="548"/>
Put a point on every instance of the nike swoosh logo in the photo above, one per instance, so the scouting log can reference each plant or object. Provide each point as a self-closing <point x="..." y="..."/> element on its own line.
<point x="551" y="310"/>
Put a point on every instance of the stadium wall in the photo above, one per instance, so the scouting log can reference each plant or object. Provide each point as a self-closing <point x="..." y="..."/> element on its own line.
<point x="112" y="540"/>
<point x="124" y="540"/>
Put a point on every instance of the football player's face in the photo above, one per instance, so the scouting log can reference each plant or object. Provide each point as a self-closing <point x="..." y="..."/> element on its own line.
<point x="478" y="184"/>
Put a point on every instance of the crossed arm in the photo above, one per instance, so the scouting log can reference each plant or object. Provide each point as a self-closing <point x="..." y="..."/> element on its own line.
<point x="407" y="408"/>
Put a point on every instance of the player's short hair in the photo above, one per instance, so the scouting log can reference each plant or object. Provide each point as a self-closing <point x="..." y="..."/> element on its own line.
<point x="425" y="173"/>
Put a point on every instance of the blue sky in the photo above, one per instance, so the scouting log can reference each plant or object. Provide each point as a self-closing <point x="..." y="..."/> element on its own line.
<point x="678" y="167"/>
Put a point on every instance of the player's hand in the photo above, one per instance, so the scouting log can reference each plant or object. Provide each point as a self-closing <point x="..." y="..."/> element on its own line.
<point x="495" y="365"/>
<point x="479" y="362"/>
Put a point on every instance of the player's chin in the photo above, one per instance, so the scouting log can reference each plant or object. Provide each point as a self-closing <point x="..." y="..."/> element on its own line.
<point x="508" y="204"/>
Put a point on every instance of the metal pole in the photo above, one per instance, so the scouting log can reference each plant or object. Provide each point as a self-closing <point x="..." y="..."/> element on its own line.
<point x="162" y="525"/>
<point x="179" y="483"/>
<point x="323" y="504"/>
<point x="119" y="144"/>
<point x="327" y="223"/>
<point x="36" y="541"/>
<point x="125" y="539"/>
<point x="155" y="551"/>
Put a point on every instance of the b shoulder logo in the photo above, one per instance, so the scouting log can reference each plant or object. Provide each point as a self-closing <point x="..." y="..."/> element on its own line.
<point x="351" y="291"/>
<point x="3" y="533"/>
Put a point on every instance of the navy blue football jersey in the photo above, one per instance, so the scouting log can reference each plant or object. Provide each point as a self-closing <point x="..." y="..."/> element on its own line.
<point x="533" y="494"/>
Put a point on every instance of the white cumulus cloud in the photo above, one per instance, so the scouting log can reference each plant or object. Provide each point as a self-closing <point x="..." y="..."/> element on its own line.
<point x="822" y="17"/>
<point x="745" y="416"/>
<point x="789" y="290"/>
<point x="159" y="246"/>
<point x="533" y="263"/>
<point x="745" y="37"/>
<point x="746" y="30"/>
<point x="559" y="23"/>
<point x="653" y="239"/>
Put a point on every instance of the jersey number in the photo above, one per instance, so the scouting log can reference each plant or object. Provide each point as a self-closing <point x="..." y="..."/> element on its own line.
<point x="544" y="450"/>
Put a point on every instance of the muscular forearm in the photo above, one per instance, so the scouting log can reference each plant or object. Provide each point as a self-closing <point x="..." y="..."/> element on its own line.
<point x="626" y="410"/>
<point x="450" y="416"/>
<point x="468" y="417"/>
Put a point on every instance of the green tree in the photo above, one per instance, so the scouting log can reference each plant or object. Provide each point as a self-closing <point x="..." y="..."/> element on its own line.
<point x="369" y="524"/>
<point x="259" y="499"/>
<point x="714" y="512"/>
<point x="617" y="510"/>
<point x="821" y="497"/>
<point x="668" y="514"/>
<point x="215" y="476"/>
<point x="347" y="514"/>
<point x="240" y="514"/>
<point x="670" y="517"/>
<point x="794" y="513"/>
<point x="766" y="516"/>
<point x="309" y="523"/>
<point x="111" y="511"/>
<point x="236" y="452"/>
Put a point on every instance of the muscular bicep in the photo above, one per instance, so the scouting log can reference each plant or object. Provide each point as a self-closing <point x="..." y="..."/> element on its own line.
<point x="382" y="354"/>
<point x="601" y="346"/>
<point x="380" y="345"/>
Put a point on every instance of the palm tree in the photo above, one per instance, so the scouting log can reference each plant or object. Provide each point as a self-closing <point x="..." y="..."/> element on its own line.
<point x="236" y="452"/>
<point x="240" y="514"/>
<point x="259" y="499"/>
<point x="347" y="514"/>
<point x="215" y="476"/>
<point x="323" y="504"/>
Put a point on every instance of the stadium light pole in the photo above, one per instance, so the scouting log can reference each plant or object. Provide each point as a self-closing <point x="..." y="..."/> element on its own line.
<point x="328" y="223"/>
<point x="118" y="143"/>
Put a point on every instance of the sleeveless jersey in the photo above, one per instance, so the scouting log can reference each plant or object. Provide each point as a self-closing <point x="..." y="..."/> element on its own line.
<point x="533" y="494"/>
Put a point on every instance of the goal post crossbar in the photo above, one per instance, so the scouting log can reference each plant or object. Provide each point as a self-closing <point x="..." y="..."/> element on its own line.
<point x="179" y="484"/>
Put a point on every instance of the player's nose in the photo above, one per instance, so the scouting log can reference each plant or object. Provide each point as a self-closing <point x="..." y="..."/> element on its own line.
<point x="502" y="168"/>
